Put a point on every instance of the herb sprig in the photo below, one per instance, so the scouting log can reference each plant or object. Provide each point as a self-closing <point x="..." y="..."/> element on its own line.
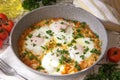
<point x="108" y="71"/>
<point x="33" y="4"/>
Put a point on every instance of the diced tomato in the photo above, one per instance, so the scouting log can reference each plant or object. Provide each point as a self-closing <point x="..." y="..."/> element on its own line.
<point x="8" y="25"/>
<point x="3" y="18"/>
<point x="114" y="54"/>
<point x="3" y="33"/>
<point x="1" y="43"/>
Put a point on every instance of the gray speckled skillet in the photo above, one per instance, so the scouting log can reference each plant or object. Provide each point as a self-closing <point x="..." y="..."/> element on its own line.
<point x="54" y="11"/>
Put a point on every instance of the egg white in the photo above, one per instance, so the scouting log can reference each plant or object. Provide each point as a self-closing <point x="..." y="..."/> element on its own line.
<point x="37" y="49"/>
<point x="62" y="37"/>
<point x="50" y="62"/>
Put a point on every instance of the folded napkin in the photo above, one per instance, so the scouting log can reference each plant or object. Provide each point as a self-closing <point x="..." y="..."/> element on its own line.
<point x="9" y="57"/>
<point x="108" y="11"/>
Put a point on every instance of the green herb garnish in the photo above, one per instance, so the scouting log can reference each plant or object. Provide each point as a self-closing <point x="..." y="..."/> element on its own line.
<point x="59" y="38"/>
<point x="77" y="53"/>
<point x="108" y="71"/>
<point x="62" y="30"/>
<point x="46" y="37"/>
<point x="39" y="35"/>
<point x="31" y="56"/>
<point x="30" y="4"/>
<point x="47" y="22"/>
<point x="70" y="44"/>
<point x="33" y="4"/>
<point x="82" y="56"/>
<point x="83" y="24"/>
<point x="95" y="51"/>
<point x="75" y="47"/>
<point x="48" y="2"/>
<point x="30" y="35"/>
<point x="79" y="35"/>
<point x="97" y="36"/>
<point x="58" y="69"/>
<point x="77" y="66"/>
<point x="59" y="44"/>
<point x="40" y="68"/>
<point x="44" y="47"/>
<point x="73" y="41"/>
<point x="63" y="60"/>
<point x="78" y="30"/>
<point x="87" y="42"/>
<point x="34" y="45"/>
<point x="24" y="54"/>
<point x="62" y="22"/>
<point x="49" y="32"/>
<point x="86" y="49"/>
<point x="65" y="42"/>
<point x="63" y="51"/>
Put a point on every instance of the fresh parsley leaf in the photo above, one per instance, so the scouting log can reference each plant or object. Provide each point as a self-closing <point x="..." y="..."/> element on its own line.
<point x="49" y="32"/>
<point x="95" y="51"/>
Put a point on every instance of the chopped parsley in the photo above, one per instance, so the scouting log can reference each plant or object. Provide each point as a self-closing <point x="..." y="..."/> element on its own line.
<point x="97" y="36"/>
<point x="40" y="68"/>
<point x="63" y="51"/>
<point x="77" y="66"/>
<point x="78" y="30"/>
<point x="74" y="21"/>
<point x="73" y="41"/>
<point x="86" y="49"/>
<point x="58" y="69"/>
<point x="82" y="56"/>
<point x="63" y="36"/>
<point x="79" y="35"/>
<point x="49" y="32"/>
<point x="65" y="42"/>
<point x="62" y="22"/>
<point x="24" y="54"/>
<point x="63" y="60"/>
<point x="95" y="51"/>
<point x="75" y="47"/>
<point x="59" y="44"/>
<point x="30" y="35"/>
<point x="87" y="42"/>
<point x="39" y="35"/>
<point x="62" y="30"/>
<point x="77" y="53"/>
<point x="31" y="56"/>
<point x="59" y="38"/>
<point x="83" y="24"/>
<point x="46" y="37"/>
<point x="34" y="45"/>
<point x="44" y="47"/>
<point x="47" y="22"/>
<point x="70" y="44"/>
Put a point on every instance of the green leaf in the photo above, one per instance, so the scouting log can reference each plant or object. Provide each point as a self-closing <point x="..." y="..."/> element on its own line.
<point x="40" y="68"/>
<point x="48" y="2"/>
<point x="49" y="32"/>
<point x="95" y="51"/>
<point x="77" y="66"/>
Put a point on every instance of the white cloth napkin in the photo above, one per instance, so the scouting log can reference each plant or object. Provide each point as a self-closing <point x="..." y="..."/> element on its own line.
<point x="108" y="11"/>
<point x="9" y="57"/>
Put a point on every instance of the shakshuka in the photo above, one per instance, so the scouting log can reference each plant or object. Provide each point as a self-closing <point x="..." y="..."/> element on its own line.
<point x="59" y="46"/>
